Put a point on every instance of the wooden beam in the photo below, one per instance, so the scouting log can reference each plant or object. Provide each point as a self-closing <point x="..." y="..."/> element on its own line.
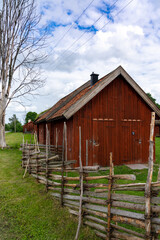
<point x="149" y="181"/>
<point x="81" y="187"/>
<point x="63" y="166"/>
<point x="109" y="199"/>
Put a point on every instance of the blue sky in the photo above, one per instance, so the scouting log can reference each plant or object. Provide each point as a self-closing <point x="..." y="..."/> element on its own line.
<point x="87" y="36"/>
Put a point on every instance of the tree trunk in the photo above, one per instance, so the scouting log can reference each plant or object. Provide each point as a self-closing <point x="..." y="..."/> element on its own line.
<point x="2" y="129"/>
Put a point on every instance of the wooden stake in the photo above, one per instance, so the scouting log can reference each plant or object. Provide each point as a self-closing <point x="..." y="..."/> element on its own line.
<point x="37" y="166"/>
<point x="109" y="198"/>
<point x="47" y="137"/>
<point x="23" y="144"/>
<point x="149" y="180"/>
<point x="81" y="187"/>
<point x="27" y="166"/>
<point x="36" y="142"/>
<point x="65" y="141"/>
<point x="63" y="166"/>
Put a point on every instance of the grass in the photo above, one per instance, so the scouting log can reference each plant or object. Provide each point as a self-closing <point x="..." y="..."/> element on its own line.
<point x="14" y="140"/>
<point x="157" y="143"/>
<point x="141" y="175"/>
<point x="26" y="210"/>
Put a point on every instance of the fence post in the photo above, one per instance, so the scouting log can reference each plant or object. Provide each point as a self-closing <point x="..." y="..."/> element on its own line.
<point x="28" y="161"/>
<point x="37" y="166"/>
<point x="148" y="189"/>
<point x="36" y="142"/>
<point x="47" y="138"/>
<point x="36" y="150"/>
<point x="81" y="187"/>
<point x="23" y="149"/>
<point x="63" y="165"/>
<point x="109" y="198"/>
<point x="29" y="157"/>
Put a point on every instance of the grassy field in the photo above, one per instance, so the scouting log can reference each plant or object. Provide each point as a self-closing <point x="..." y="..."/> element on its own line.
<point x="26" y="210"/>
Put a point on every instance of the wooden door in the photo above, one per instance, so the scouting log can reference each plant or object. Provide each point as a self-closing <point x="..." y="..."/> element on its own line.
<point x="130" y="141"/>
<point x="104" y="140"/>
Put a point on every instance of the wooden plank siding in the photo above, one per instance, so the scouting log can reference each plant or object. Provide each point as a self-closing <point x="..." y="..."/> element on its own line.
<point x="59" y="126"/>
<point x="116" y="120"/>
<point x="42" y="132"/>
<point x="29" y="127"/>
<point x="157" y="131"/>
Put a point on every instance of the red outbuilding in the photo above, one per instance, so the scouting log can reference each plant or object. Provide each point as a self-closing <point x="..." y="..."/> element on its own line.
<point x="157" y="128"/>
<point x="29" y="127"/>
<point x="114" y="114"/>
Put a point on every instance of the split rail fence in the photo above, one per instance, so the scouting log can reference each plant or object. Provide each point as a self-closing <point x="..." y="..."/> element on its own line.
<point x="101" y="199"/>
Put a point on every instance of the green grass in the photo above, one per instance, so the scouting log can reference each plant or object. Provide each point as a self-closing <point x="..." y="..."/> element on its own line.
<point x="14" y="140"/>
<point x="157" y="144"/>
<point x="141" y="175"/>
<point x="26" y="210"/>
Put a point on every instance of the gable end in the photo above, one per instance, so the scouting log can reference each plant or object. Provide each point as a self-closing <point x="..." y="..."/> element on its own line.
<point x="105" y="82"/>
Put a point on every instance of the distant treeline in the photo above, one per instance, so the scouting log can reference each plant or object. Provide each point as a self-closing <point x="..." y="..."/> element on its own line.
<point x="14" y="125"/>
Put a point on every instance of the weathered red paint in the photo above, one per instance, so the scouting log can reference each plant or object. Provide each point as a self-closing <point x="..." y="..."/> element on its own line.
<point x="116" y="120"/>
<point x="41" y="128"/>
<point x="29" y="127"/>
<point x="157" y="131"/>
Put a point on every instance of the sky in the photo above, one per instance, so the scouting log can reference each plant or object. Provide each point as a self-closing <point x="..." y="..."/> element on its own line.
<point x="95" y="36"/>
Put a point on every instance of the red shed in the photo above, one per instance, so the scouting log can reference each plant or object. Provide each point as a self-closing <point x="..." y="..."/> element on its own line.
<point x="114" y="114"/>
<point x="157" y="128"/>
<point x="29" y="127"/>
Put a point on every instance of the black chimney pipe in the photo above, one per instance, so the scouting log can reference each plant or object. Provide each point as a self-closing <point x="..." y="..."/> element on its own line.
<point x="94" y="78"/>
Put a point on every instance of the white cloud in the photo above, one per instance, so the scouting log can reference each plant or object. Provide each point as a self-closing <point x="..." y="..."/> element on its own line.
<point x="132" y="40"/>
<point x="17" y="107"/>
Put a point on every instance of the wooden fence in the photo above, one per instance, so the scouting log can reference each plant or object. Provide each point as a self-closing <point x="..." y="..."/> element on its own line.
<point x="100" y="199"/>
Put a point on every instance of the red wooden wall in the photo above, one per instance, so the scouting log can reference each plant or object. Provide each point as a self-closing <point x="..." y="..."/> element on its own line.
<point x="41" y="128"/>
<point x="116" y="120"/>
<point x="157" y="130"/>
<point x="29" y="127"/>
<point x="59" y="126"/>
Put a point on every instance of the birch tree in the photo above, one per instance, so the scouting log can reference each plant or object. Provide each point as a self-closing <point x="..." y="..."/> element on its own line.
<point x="20" y="42"/>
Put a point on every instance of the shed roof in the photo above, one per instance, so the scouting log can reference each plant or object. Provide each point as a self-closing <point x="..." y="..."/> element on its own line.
<point x="27" y="124"/>
<point x="70" y="104"/>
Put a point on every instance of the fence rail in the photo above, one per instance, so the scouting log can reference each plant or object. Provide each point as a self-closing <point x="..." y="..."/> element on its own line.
<point x="115" y="210"/>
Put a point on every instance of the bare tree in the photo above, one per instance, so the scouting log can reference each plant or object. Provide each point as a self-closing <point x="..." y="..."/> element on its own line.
<point x="20" y="42"/>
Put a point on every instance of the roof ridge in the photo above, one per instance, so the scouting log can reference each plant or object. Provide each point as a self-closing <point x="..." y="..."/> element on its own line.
<point x="68" y="98"/>
<point x="79" y="97"/>
<point x="103" y="82"/>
